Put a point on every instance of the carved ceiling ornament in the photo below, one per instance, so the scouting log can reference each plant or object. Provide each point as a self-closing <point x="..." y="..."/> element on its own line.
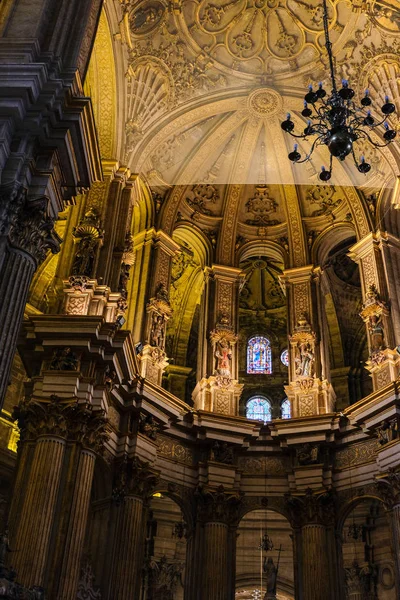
<point x="243" y="35"/>
<point x="265" y="102"/>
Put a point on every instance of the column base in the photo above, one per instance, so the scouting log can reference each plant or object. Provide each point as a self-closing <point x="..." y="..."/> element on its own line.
<point x="384" y="366"/>
<point x="219" y="395"/>
<point x="311" y="396"/>
<point x="153" y="362"/>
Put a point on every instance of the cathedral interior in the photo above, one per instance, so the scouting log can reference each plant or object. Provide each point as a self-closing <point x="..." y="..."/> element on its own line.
<point x="199" y="338"/>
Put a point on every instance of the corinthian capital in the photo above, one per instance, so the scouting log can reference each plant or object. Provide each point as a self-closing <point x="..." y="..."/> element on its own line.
<point x="63" y="418"/>
<point x="26" y="222"/>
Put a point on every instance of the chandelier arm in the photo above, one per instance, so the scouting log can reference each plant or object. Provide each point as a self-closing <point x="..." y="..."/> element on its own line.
<point x="371" y="141"/>
<point x="328" y="44"/>
<point x="298" y="136"/>
<point x="308" y="156"/>
<point x="378" y="124"/>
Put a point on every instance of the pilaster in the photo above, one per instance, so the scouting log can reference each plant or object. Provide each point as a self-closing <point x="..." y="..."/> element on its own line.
<point x="309" y="391"/>
<point x="218" y="389"/>
<point x="383" y="361"/>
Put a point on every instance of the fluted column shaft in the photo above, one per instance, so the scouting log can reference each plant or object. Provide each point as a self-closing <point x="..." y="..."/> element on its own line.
<point x="395" y="518"/>
<point x="315" y="575"/>
<point x="34" y="530"/>
<point x="216" y="562"/>
<point x="77" y="526"/>
<point x="16" y="272"/>
<point x="125" y="577"/>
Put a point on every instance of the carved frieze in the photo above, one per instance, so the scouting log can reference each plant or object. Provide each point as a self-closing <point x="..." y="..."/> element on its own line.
<point x="174" y="450"/>
<point x="267" y="465"/>
<point x="356" y="454"/>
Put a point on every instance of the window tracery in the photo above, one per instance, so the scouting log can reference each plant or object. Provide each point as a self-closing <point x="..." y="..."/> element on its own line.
<point x="259" y="408"/>
<point x="259" y="357"/>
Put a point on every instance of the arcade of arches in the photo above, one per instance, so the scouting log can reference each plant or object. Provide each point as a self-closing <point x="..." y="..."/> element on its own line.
<point x="199" y="341"/>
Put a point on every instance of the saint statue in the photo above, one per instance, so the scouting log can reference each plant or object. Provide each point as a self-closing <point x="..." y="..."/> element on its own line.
<point x="157" y="331"/>
<point x="223" y="354"/>
<point x="305" y="360"/>
<point x="376" y="333"/>
<point x="271" y="572"/>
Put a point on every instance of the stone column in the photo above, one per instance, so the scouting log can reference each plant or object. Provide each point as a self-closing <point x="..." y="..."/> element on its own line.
<point x="384" y="361"/>
<point x="26" y="233"/>
<point x="388" y="486"/>
<point x="32" y="531"/>
<point x="91" y="437"/>
<point x="315" y="576"/>
<point x="217" y="512"/>
<point x="313" y="515"/>
<point x="133" y="483"/>
<point x="47" y="529"/>
<point x="216" y="573"/>
<point x="218" y="389"/>
<point x="309" y="390"/>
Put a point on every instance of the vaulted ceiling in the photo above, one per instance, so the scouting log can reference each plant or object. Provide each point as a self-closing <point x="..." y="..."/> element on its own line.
<point x="207" y="84"/>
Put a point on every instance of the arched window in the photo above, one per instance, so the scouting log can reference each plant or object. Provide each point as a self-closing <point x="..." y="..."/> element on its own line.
<point x="285" y="357"/>
<point x="259" y="360"/>
<point x="259" y="409"/>
<point x="286" y="410"/>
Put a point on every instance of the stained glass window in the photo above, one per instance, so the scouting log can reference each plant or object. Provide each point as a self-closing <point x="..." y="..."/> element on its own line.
<point x="259" y="409"/>
<point x="285" y="357"/>
<point x="259" y="360"/>
<point x="286" y="409"/>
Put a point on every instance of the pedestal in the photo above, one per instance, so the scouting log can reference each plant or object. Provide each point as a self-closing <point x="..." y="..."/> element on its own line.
<point x="153" y="362"/>
<point x="384" y="367"/>
<point x="311" y="396"/>
<point x="215" y="395"/>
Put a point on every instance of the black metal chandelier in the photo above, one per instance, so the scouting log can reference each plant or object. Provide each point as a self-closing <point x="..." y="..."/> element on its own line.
<point x="336" y="121"/>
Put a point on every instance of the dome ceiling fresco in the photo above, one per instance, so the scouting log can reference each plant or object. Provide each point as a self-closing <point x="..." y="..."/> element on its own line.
<point x="209" y="81"/>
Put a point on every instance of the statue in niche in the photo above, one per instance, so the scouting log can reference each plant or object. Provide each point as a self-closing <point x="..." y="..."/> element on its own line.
<point x="223" y="354"/>
<point x="64" y="360"/>
<point x="376" y="333"/>
<point x="157" y="334"/>
<point x="305" y="360"/>
<point x="271" y="573"/>
<point x="85" y="256"/>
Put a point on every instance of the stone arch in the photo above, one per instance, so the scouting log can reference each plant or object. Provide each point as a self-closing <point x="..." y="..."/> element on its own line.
<point x="186" y="290"/>
<point x="252" y="527"/>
